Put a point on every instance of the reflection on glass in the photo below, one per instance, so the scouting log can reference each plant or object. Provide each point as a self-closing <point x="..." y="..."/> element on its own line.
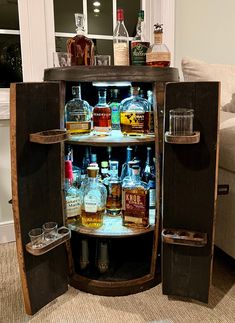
<point x="64" y="14"/>
<point x="9" y="15"/>
<point x="100" y="17"/>
<point x="131" y="9"/>
<point x="10" y="60"/>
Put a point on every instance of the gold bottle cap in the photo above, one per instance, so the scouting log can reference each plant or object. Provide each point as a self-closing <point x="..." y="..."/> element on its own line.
<point x="92" y="171"/>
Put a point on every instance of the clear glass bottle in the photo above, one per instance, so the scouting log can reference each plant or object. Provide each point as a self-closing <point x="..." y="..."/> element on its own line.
<point x="132" y="113"/>
<point x="73" y="196"/>
<point x="102" y="115"/>
<point x="158" y="54"/>
<point x="94" y="200"/>
<point x="149" y="115"/>
<point x="135" y="201"/>
<point x="149" y="176"/>
<point x="139" y="46"/>
<point x="114" y="187"/>
<point x="80" y="47"/>
<point x="114" y="106"/>
<point x="121" y="41"/>
<point x="77" y="113"/>
<point x="125" y="167"/>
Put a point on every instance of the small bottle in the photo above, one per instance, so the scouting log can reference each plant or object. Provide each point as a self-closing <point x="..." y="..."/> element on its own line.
<point x="104" y="169"/>
<point x="158" y="54"/>
<point x="120" y="41"/>
<point x="149" y="115"/>
<point x="94" y="200"/>
<point x="139" y="46"/>
<point x="149" y="176"/>
<point x="77" y="113"/>
<point x="125" y="167"/>
<point x="114" y="106"/>
<point x="135" y="201"/>
<point x="80" y="47"/>
<point x="132" y="113"/>
<point x="102" y="115"/>
<point x="72" y="196"/>
<point x="114" y="186"/>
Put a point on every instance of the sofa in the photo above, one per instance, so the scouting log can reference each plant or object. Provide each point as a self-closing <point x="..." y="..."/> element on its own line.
<point x="195" y="70"/>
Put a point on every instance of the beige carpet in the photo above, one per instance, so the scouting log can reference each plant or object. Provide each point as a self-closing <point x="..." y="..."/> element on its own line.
<point x="149" y="306"/>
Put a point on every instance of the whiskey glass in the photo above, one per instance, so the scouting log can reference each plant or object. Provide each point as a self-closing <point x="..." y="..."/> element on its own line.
<point x="181" y="122"/>
<point x="61" y="59"/>
<point x="37" y="237"/>
<point x="50" y="230"/>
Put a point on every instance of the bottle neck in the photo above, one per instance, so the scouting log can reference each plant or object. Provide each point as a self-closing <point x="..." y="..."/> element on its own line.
<point x="76" y="91"/>
<point x="158" y="38"/>
<point x="128" y="155"/>
<point x="149" y="156"/>
<point x="92" y="180"/>
<point x="135" y="176"/>
<point x="102" y="97"/>
<point x="139" y="29"/>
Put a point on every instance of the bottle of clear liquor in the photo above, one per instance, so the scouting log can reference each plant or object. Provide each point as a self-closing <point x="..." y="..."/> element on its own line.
<point x="135" y="201"/>
<point x="77" y="113"/>
<point x="94" y="200"/>
<point x="102" y="115"/>
<point x="114" y="106"/>
<point x="132" y="113"/>
<point x="114" y="187"/>
<point x="80" y="47"/>
<point x="120" y="41"/>
<point x="149" y="176"/>
<point x="158" y="54"/>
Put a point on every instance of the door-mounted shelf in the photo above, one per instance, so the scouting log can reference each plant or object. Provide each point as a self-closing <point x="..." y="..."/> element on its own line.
<point x="48" y="137"/>
<point x="182" y="140"/>
<point x="63" y="235"/>
<point x="184" y="237"/>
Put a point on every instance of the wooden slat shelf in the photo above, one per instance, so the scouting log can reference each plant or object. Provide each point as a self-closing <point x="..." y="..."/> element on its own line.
<point x="115" y="139"/>
<point x="113" y="228"/>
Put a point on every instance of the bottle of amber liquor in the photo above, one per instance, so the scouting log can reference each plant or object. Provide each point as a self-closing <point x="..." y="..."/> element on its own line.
<point x="102" y="115"/>
<point x="135" y="201"/>
<point x="114" y="187"/>
<point x="80" y="47"/>
<point x="158" y="54"/>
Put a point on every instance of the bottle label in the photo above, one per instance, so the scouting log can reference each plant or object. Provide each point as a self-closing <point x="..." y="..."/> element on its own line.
<point x="135" y="204"/>
<point x="149" y="122"/>
<point x="73" y="206"/>
<point x="90" y="203"/>
<point x="158" y="56"/>
<point x="78" y="126"/>
<point x="152" y="198"/>
<point x="138" y="52"/>
<point x="121" y="53"/>
<point x="158" y="38"/>
<point x="133" y="119"/>
<point x="115" y="115"/>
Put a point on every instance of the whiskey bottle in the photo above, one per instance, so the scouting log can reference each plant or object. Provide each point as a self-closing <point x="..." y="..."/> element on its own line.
<point x="125" y="167"/>
<point x="135" y="201"/>
<point x="114" y="198"/>
<point x="149" y="115"/>
<point x="102" y="115"/>
<point x="158" y="54"/>
<point x="85" y="163"/>
<point x="120" y="41"/>
<point x="149" y="176"/>
<point x="77" y="113"/>
<point x="114" y="106"/>
<point x="80" y="47"/>
<point x="139" y="46"/>
<point x="94" y="200"/>
<point x="132" y="113"/>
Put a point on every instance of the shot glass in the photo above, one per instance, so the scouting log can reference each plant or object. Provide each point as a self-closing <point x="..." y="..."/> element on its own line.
<point x="50" y="230"/>
<point x="181" y="122"/>
<point x="61" y="59"/>
<point x="37" y="237"/>
<point x="103" y="60"/>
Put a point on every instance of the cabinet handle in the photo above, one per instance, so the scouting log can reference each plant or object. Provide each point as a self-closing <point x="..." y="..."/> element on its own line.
<point x="223" y="189"/>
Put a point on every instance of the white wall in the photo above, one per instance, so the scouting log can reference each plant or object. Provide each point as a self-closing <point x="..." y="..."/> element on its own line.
<point x="205" y="29"/>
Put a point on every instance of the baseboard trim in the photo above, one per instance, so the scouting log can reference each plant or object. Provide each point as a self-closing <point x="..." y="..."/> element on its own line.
<point x="7" y="232"/>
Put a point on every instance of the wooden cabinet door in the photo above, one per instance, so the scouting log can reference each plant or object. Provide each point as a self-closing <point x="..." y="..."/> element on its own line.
<point x="189" y="192"/>
<point x="37" y="178"/>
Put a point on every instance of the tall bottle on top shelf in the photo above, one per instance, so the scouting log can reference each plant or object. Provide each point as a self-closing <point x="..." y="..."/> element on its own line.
<point x="120" y="41"/>
<point x="80" y="47"/>
<point x="158" y="54"/>
<point x="77" y="113"/>
<point x="114" y="106"/>
<point x="102" y="115"/>
<point x="139" y="46"/>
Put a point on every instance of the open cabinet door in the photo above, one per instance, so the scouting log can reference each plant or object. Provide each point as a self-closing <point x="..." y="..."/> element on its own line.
<point x="37" y="176"/>
<point x="189" y="193"/>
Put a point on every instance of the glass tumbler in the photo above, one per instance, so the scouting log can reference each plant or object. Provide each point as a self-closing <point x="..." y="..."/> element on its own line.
<point x="37" y="237"/>
<point x="50" y="230"/>
<point x="181" y="122"/>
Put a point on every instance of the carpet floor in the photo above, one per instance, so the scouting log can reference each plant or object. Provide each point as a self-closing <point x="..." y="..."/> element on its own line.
<point x="149" y="306"/>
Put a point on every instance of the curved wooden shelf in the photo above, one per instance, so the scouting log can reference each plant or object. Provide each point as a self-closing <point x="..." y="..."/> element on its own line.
<point x="184" y="237"/>
<point x="115" y="139"/>
<point x="113" y="228"/>
<point x="49" y="137"/>
<point x="183" y="140"/>
<point x="111" y="73"/>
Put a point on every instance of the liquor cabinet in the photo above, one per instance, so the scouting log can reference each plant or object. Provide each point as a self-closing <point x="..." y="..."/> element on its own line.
<point x="186" y="177"/>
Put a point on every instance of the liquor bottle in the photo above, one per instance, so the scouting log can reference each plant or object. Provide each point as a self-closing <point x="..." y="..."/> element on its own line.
<point x="93" y="162"/>
<point x="114" y="106"/>
<point x="139" y="46"/>
<point x="85" y="163"/>
<point x="125" y="167"/>
<point x="132" y="112"/>
<point x="104" y="169"/>
<point x="114" y="186"/>
<point x="158" y="54"/>
<point x="149" y="115"/>
<point x="72" y="196"/>
<point x="120" y="41"/>
<point x="77" y="113"/>
<point x="94" y="200"/>
<point x="80" y="47"/>
<point x="149" y="176"/>
<point x="102" y="115"/>
<point x="135" y="201"/>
